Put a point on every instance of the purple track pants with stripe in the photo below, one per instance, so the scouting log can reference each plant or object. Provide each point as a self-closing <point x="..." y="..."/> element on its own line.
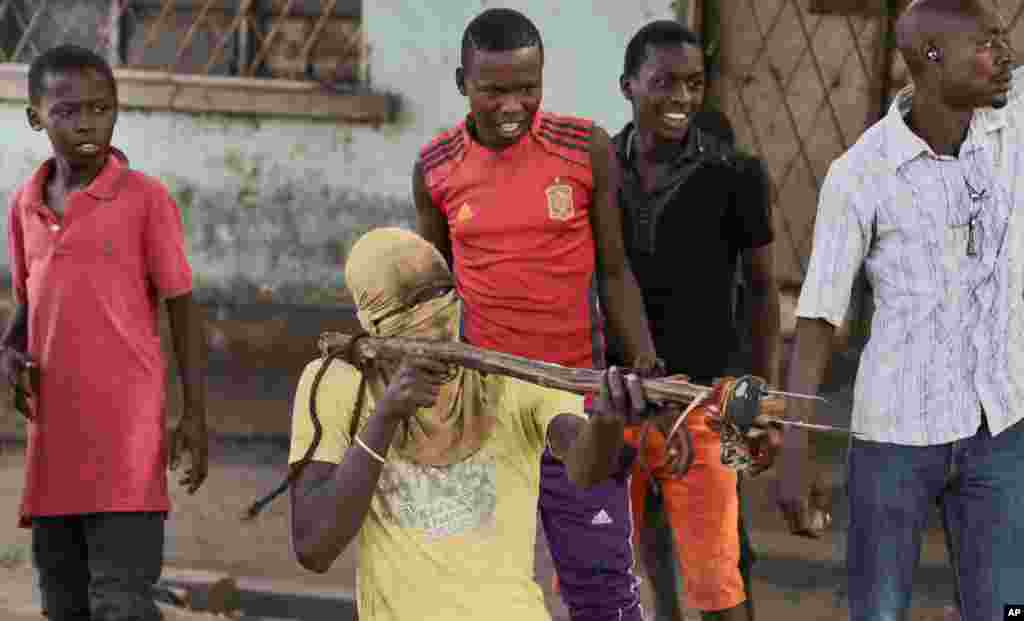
<point x="589" y="536"/>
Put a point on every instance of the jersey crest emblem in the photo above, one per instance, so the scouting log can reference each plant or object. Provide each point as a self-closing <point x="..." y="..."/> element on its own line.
<point x="464" y="214"/>
<point x="560" y="204"/>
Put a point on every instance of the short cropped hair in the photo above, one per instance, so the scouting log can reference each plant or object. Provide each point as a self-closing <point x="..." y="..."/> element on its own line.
<point x="499" y="30"/>
<point x="61" y="59"/>
<point x="661" y="33"/>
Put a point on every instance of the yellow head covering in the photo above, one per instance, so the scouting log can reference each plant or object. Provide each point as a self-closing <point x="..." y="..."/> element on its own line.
<point x="385" y="271"/>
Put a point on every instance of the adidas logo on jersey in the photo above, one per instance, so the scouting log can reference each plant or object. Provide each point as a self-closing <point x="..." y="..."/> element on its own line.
<point x="601" y="519"/>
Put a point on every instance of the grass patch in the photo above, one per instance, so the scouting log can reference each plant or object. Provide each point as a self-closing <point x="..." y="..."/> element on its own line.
<point x="13" y="555"/>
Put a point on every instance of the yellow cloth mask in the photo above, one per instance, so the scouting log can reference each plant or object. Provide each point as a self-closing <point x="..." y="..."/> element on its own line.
<point x="386" y="270"/>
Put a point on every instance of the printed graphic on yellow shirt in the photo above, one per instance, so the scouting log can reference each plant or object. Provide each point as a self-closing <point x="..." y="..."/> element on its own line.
<point x="442" y="501"/>
<point x="560" y="206"/>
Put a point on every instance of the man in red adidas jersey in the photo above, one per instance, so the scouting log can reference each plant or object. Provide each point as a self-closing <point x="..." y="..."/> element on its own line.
<point x="522" y="203"/>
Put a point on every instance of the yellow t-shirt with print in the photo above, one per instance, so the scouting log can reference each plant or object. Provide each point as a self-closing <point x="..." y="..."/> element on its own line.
<point x="444" y="543"/>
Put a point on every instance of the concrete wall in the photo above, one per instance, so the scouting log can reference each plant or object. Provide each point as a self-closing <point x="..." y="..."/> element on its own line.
<point x="271" y="205"/>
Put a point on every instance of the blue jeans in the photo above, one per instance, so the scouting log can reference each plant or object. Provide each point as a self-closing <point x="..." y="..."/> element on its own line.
<point x="979" y="484"/>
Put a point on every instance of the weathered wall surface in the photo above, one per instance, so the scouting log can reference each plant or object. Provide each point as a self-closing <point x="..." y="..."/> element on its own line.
<point x="800" y="88"/>
<point x="271" y="205"/>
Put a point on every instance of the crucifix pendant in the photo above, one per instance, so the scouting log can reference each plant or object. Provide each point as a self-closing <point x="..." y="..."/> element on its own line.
<point x="972" y="249"/>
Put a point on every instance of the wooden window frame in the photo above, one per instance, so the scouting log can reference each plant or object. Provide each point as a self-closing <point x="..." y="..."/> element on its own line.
<point x="230" y="95"/>
<point x="848" y="7"/>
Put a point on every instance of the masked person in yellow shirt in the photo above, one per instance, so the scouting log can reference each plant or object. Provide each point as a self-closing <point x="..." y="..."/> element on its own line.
<point x="435" y="471"/>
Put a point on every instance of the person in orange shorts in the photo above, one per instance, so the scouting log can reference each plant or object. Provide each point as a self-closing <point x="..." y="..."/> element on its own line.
<point x="701" y="509"/>
<point x="693" y="210"/>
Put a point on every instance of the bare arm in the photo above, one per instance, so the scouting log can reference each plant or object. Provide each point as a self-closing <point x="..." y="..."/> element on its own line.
<point x="430" y="222"/>
<point x="589" y="456"/>
<point x="189" y="340"/>
<point x="16" y="336"/>
<point x="842" y="240"/>
<point x="843" y="236"/>
<point x="619" y="288"/>
<point x="764" y="315"/>
<point x="811" y="353"/>
<point x="596" y="453"/>
<point x="330" y="503"/>
<point x="592" y="448"/>
<point x="190" y="435"/>
<point x="17" y="367"/>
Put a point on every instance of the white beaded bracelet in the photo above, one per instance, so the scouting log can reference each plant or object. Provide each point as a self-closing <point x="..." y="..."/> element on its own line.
<point x="369" y="450"/>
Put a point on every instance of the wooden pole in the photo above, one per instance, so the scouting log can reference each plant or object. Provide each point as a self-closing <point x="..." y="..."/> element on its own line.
<point x="578" y="381"/>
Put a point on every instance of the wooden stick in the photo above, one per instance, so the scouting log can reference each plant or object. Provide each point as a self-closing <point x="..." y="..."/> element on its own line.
<point x="578" y="381"/>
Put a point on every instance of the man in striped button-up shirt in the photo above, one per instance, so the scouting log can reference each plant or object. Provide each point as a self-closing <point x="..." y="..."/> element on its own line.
<point x="924" y="202"/>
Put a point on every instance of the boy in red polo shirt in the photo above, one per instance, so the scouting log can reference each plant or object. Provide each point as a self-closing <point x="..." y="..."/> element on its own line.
<point x="94" y="246"/>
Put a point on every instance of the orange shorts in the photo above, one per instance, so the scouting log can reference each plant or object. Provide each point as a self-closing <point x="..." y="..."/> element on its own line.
<point x="703" y="511"/>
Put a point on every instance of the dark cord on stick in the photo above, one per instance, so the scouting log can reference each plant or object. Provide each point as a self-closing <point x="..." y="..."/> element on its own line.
<point x="350" y="353"/>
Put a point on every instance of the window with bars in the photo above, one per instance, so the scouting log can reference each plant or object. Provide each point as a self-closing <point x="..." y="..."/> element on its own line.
<point x="306" y="48"/>
<point x="857" y="7"/>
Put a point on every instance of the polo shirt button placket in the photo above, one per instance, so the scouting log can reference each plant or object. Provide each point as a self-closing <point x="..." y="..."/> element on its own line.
<point x="58" y="247"/>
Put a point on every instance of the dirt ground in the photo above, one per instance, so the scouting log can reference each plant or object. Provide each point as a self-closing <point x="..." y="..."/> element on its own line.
<point x="254" y="364"/>
<point x="794" y="579"/>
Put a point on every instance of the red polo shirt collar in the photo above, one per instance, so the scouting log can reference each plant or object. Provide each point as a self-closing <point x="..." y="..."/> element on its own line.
<point x="103" y="187"/>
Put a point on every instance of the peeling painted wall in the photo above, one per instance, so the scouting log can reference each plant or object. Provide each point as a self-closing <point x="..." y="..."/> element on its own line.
<point x="271" y="206"/>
